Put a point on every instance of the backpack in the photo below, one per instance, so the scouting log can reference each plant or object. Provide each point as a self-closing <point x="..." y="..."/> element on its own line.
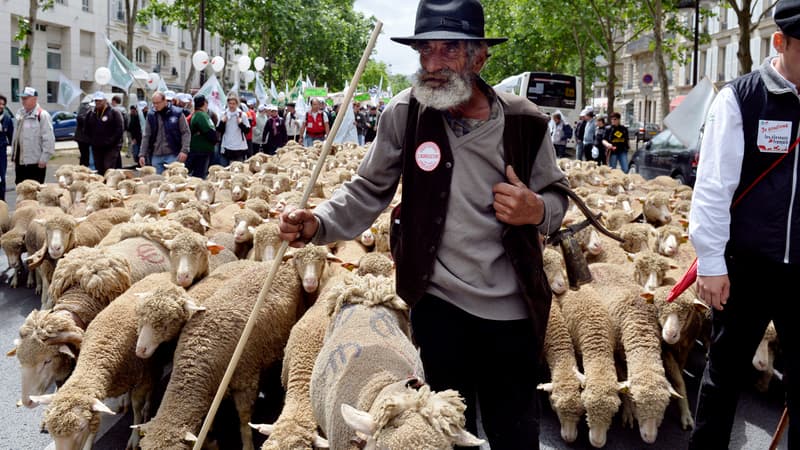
<point x="567" y="131"/>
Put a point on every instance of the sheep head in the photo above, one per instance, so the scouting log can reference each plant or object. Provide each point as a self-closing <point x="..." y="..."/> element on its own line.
<point x="161" y="315"/>
<point x="310" y="263"/>
<point x="46" y="352"/>
<point x="72" y="418"/>
<point x="403" y="417"/>
<point x="59" y="234"/>
<point x="188" y="255"/>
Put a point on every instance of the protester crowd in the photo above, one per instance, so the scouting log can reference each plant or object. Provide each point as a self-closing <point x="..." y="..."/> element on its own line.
<point x="171" y="127"/>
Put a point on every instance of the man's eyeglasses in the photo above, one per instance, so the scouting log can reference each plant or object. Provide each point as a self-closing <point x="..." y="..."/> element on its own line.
<point x="448" y="50"/>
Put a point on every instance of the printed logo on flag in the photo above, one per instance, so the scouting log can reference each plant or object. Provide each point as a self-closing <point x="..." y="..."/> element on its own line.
<point x="774" y="136"/>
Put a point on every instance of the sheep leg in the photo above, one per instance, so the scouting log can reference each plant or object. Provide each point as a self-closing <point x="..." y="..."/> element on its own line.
<point x="14" y="279"/>
<point x="89" y="442"/>
<point x="628" y="418"/>
<point x="46" y="304"/>
<point x="140" y="402"/>
<point x="244" y="404"/>
<point x="675" y="377"/>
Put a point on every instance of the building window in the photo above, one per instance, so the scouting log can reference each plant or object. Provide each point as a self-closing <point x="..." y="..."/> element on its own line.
<point x="164" y="28"/>
<point x="119" y="12"/>
<point x="87" y="43"/>
<point x="721" y="64"/>
<point x="119" y="45"/>
<point x="14" y="56"/>
<point x="52" y="91"/>
<point x="162" y="58"/>
<point x="53" y="60"/>
<point x="15" y="89"/>
<point x="86" y="5"/>
<point x="62" y="2"/>
<point x="142" y="55"/>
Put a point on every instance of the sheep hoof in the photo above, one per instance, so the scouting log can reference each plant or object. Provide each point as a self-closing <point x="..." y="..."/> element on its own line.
<point x="687" y="422"/>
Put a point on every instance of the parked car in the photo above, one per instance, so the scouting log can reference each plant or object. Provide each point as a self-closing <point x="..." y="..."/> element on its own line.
<point x="664" y="154"/>
<point x="64" y="124"/>
<point x="644" y="131"/>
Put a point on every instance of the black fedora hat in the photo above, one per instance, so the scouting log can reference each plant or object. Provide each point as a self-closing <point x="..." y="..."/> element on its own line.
<point x="449" y="20"/>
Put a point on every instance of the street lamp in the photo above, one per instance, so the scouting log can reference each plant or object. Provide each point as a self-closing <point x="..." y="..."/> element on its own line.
<point x="694" y="4"/>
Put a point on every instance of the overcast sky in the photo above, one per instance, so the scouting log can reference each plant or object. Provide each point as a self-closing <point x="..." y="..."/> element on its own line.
<point x="398" y="20"/>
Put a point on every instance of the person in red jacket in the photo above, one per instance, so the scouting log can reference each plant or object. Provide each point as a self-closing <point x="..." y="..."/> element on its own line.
<point x="315" y="125"/>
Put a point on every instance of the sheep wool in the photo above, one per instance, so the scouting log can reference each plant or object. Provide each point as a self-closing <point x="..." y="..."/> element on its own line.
<point x="367" y="346"/>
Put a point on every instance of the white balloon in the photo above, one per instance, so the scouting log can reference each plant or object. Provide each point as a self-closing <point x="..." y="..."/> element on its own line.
<point x="244" y="63"/>
<point x="259" y="63"/>
<point x="217" y="63"/>
<point x="200" y="60"/>
<point x="152" y="81"/>
<point x="249" y="76"/>
<point x="102" y="75"/>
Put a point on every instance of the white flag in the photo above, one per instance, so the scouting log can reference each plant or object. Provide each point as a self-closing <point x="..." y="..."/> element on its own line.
<point x="67" y="90"/>
<point x="687" y="119"/>
<point x="347" y="130"/>
<point x="273" y="92"/>
<point x="261" y="91"/>
<point x="215" y="95"/>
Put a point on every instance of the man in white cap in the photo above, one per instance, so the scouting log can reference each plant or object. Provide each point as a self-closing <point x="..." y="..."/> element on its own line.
<point x="479" y="184"/>
<point x="33" y="143"/>
<point x="104" y="128"/>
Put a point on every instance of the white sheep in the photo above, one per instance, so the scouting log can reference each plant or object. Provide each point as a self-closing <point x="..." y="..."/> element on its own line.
<point x="46" y="348"/>
<point x="366" y="379"/>
<point x="106" y="367"/>
<point x="204" y="348"/>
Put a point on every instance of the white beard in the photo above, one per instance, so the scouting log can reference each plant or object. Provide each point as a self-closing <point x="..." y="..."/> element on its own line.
<point x="454" y="92"/>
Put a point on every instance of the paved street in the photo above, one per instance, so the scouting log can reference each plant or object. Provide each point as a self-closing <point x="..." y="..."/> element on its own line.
<point x="758" y="413"/>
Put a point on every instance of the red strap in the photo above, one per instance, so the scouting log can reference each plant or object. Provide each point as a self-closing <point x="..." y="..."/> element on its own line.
<point x="764" y="174"/>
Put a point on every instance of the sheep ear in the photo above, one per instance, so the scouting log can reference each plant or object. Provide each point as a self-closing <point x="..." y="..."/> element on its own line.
<point x="648" y="297"/>
<point x="320" y="442"/>
<point x="45" y="399"/>
<point x="204" y="223"/>
<point x="81" y="219"/>
<point x="349" y="266"/>
<point x="189" y="437"/>
<point x="39" y="221"/>
<point x="191" y="307"/>
<point x="251" y="229"/>
<point x="263" y="428"/>
<point x="99" y="406"/>
<point x="673" y="392"/>
<point x="12" y="352"/>
<point x="580" y="376"/>
<point x="464" y="438"/>
<point x="163" y="212"/>
<point x="547" y="387"/>
<point x="66" y="350"/>
<point x="359" y="421"/>
<point x="168" y="243"/>
<point x="699" y="305"/>
<point x="214" y="248"/>
<point x="333" y="258"/>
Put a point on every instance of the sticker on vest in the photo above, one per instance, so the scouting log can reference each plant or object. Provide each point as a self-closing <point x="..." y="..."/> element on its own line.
<point x="428" y="156"/>
<point x="774" y="136"/>
<point x="104" y="119"/>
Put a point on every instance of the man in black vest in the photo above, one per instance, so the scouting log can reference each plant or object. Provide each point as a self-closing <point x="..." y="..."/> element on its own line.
<point x="166" y="135"/>
<point x="745" y="227"/>
<point x="476" y="195"/>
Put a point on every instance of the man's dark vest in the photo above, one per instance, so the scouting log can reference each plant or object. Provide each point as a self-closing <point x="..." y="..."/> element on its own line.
<point x="417" y="226"/>
<point x="172" y="130"/>
<point x="759" y="221"/>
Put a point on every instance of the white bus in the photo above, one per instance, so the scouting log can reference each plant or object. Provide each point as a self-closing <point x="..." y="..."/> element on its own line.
<point x="551" y="92"/>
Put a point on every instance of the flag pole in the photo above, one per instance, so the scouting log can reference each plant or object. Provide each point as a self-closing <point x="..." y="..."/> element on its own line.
<point x="248" y="329"/>
<point x="135" y="80"/>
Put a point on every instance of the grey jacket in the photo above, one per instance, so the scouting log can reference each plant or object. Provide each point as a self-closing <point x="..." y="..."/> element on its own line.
<point x="33" y="134"/>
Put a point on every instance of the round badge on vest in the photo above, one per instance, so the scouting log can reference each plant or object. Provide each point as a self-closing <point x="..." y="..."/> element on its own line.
<point x="428" y="156"/>
<point x="104" y="119"/>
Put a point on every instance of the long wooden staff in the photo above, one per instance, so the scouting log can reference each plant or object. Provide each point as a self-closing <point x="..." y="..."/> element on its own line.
<point x="784" y="422"/>
<point x="237" y="353"/>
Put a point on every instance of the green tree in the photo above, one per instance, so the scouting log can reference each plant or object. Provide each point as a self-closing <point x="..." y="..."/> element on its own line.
<point x="27" y="35"/>
<point x="744" y="16"/>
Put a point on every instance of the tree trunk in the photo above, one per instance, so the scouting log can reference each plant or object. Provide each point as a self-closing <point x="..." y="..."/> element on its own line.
<point x="27" y="61"/>
<point x="131" y="8"/>
<point x="611" y="83"/>
<point x="195" y="35"/>
<point x="658" y="54"/>
<point x="743" y="53"/>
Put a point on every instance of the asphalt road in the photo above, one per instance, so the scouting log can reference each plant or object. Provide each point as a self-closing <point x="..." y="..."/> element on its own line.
<point x="757" y="417"/>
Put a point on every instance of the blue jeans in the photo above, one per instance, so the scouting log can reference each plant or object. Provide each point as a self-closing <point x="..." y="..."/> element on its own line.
<point x="622" y="157"/>
<point x="309" y="141"/>
<point x="158" y="161"/>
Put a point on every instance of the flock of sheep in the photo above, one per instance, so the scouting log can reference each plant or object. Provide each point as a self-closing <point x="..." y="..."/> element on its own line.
<point x="128" y="261"/>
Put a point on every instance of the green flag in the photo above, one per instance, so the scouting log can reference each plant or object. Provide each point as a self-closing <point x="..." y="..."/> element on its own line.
<point x="362" y="97"/>
<point x="316" y="92"/>
<point x="122" y="69"/>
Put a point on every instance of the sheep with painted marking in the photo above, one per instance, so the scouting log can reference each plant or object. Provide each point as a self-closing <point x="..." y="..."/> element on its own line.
<point x="366" y="380"/>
